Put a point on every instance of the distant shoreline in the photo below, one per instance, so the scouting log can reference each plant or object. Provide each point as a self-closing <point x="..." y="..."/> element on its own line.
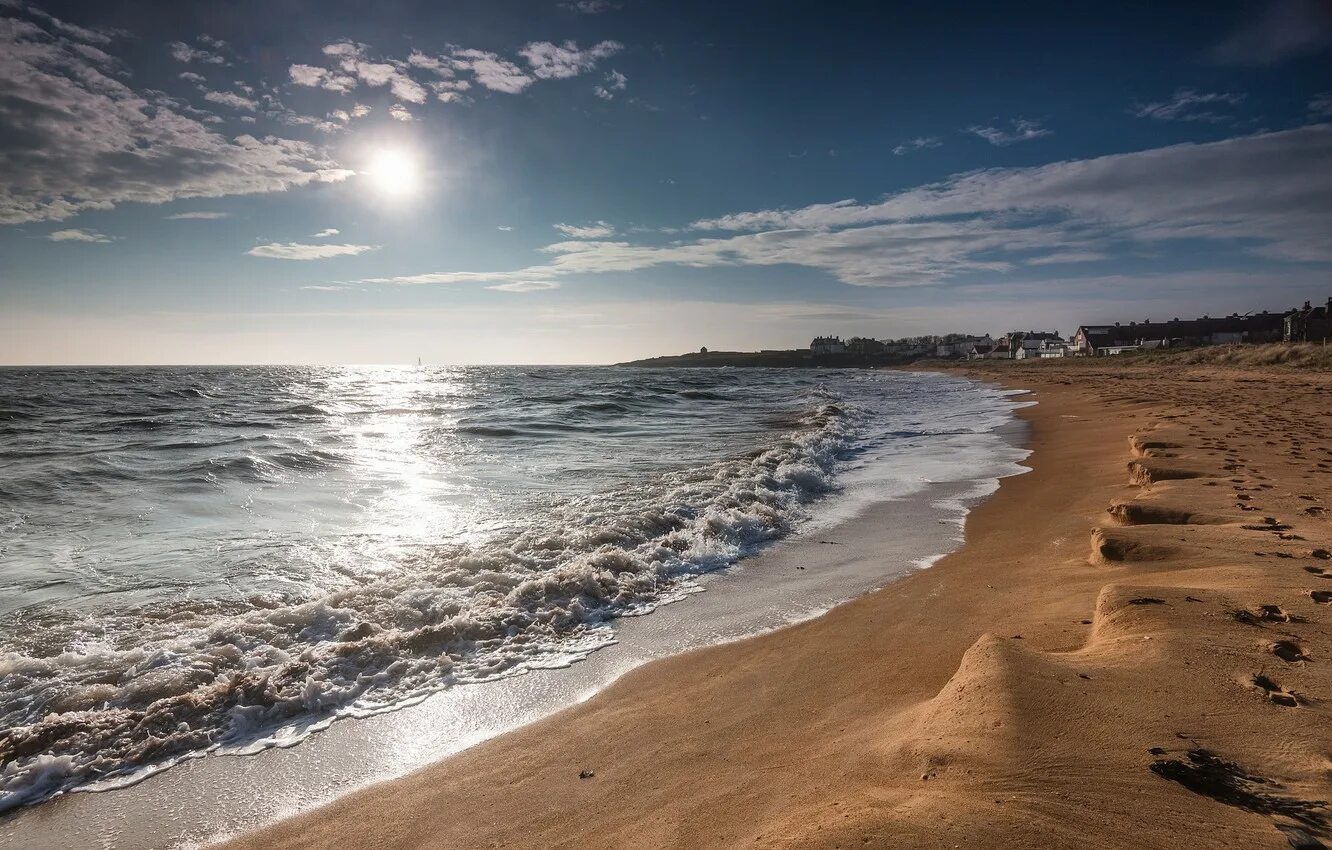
<point x="783" y="359"/>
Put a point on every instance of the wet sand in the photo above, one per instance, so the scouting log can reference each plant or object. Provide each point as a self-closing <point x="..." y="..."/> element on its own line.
<point x="1079" y="674"/>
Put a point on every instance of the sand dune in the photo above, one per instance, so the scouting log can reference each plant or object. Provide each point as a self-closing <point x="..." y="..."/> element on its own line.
<point x="1154" y="675"/>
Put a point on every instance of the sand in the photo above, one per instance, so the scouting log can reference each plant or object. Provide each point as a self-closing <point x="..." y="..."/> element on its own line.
<point x="1133" y="649"/>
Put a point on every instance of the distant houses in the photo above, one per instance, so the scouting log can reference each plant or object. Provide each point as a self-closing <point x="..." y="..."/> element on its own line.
<point x="1303" y="324"/>
<point x="1103" y="340"/>
<point x="823" y="345"/>
<point x="1308" y="324"/>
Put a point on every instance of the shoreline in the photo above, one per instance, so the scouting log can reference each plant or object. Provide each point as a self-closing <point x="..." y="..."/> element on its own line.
<point x="1058" y="677"/>
<point x="233" y="794"/>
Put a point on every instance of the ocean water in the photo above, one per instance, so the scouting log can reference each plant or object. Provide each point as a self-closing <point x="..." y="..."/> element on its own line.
<point x="200" y="560"/>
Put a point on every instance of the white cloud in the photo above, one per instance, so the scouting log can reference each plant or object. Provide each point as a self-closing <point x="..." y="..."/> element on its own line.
<point x="1285" y="29"/>
<point x="1183" y="106"/>
<point x="491" y="71"/>
<point x="559" y="61"/>
<point x="182" y="52"/>
<point x="76" y="235"/>
<point x="325" y="233"/>
<point x="1023" y="130"/>
<point x="526" y="286"/>
<point x="405" y="88"/>
<point x="615" y="81"/>
<point x="299" y="251"/>
<point x="596" y="230"/>
<point x="398" y="112"/>
<point x="191" y="77"/>
<point x="916" y="144"/>
<point x="589" y="7"/>
<point x="235" y="101"/>
<point x="197" y="216"/>
<point x="78" y="137"/>
<point x="506" y="228"/>
<point x="1063" y="257"/>
<point x="1267" y="194"/>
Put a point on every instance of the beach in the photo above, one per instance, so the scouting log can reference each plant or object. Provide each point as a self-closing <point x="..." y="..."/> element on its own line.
<point x="1078" y="673"/>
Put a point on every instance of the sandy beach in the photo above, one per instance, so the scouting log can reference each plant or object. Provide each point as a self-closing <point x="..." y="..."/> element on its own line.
<point x="1130" y="648"/>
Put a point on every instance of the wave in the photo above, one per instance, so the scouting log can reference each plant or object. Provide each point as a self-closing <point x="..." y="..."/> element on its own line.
<point x="154" y="689"/>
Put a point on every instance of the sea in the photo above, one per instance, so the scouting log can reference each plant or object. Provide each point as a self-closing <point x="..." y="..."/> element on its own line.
<point x="218" y="560"/>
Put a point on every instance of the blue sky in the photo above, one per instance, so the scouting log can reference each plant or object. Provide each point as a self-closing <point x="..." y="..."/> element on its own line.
<point x="589" y="181"/>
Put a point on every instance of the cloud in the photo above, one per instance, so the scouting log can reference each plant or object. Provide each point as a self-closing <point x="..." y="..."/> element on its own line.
<point x="235" y="101"/>
<point x="589" y="7"/>
<point x="191" y="77"/>
<point x="916" y="144"/>
<point x="182" y="52"/>
<point x="1320" y="106"/>
<point x="525" y="286"/>
<point x="197" y="216"/>
<point x="1285" y="29"/>
<point x="1065" y="257"/>
<point x="506" y="228"/>
<point x="615" y="81"/>
<point x="77" y="235"/>
<point x="559" y="61"/>
<point x="398" y="112"/>
<point x="75" y="136"/>
<point x="1268" y="195"/>
<point x="325" y="233"/>
<point x="491" y="71"/>
<point x="597" y="230"/>
<point x="1182" y="106"/>
<point x="316" y="77"/>
<point x="1023" y="131"/>
<point x="298" y="251"/>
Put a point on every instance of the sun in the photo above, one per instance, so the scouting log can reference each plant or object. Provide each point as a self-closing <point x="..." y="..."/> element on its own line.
<point x="394" y="173"/>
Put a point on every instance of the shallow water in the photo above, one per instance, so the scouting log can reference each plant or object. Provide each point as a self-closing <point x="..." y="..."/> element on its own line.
<point x="198" y="559"/>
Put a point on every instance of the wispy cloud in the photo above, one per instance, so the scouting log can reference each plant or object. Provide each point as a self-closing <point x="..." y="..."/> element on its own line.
<point x="551" y="61"/>
<point x="1068" y="257"/>
<point x="589" y="7"/>
<point x="77" y="235"/>
<point x="917" y="144"/>
<point x="596" y="230"/>
<point x="615" y="81"/>
<point x="235" y="101"/>
<point x="1265" y="194"/>
<point x="182" y="52"/>
<point x="1021" y="130"/>
<point x="398" y="112"/>
<point x="526" y="286"/>
<point x="325" y="233"/>
<point x="73" y="111"/>
<point x="197" y="216"/>
<point x="1283" y="30"/>
<point x="1320" y="106"/>
<point x="1184" y="106"/>
<point x="299" y="251"/>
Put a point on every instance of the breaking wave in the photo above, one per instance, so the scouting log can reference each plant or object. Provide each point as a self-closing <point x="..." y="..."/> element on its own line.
<point x="392" y="535"/>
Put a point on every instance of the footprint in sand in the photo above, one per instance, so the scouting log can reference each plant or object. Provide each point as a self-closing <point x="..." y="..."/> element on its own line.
<point x="1275" y="692"/>
<point x="1288" y="651"/>
<point x="1322" y="597"/>
<point x="1265" y="614"/>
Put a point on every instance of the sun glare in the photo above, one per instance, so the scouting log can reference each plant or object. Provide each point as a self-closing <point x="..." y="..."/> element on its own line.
<point x="394" y="173"/>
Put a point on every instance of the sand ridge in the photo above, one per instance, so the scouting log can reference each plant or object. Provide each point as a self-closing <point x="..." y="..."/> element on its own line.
<point x="1133" y="649"/>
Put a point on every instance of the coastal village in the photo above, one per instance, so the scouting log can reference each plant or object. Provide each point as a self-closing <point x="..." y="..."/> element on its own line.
<point x="1308" y="323"/>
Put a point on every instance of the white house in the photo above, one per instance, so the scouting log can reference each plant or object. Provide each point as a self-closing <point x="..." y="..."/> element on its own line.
<point x="827" y="345"/>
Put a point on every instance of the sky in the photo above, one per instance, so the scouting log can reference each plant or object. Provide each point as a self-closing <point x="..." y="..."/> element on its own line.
<point x="587" y="181"/>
